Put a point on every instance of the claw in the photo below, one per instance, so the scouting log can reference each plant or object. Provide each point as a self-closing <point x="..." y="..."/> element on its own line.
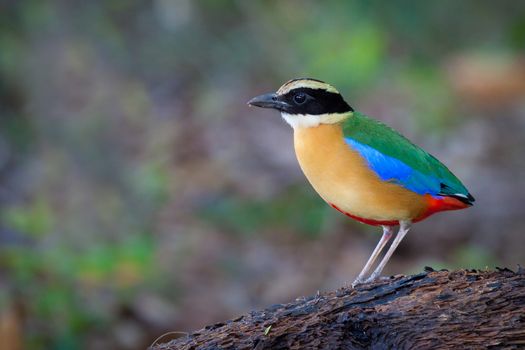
<point x="372" y="278"/>
<point x="357" y="282"/>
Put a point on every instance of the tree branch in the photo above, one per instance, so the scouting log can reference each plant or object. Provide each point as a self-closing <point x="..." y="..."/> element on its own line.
<point x="430" y="310"/>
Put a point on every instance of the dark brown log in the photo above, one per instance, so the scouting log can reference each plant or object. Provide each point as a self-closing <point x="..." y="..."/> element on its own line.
<point x="432" y="310"/>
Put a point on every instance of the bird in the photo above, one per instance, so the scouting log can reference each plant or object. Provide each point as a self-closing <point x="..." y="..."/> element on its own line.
<point x="362" y="167"/>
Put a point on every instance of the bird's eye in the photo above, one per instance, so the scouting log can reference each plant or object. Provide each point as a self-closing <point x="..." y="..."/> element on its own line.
<point x="299" y="98"/>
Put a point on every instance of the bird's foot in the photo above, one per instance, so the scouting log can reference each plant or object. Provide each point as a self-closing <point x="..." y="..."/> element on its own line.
<point x="378" y="279"/>
<point x="357" y="281"/>
<point x="373" y="277"/>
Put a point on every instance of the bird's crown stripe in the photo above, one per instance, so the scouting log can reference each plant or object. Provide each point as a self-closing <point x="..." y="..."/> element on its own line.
<point x="305" y="83"/>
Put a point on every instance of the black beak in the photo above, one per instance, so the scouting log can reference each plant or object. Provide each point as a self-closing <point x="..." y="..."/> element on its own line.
<point x="268" y="101"/>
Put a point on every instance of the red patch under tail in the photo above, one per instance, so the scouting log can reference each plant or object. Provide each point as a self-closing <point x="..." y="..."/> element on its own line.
<point x="435" y="204"/>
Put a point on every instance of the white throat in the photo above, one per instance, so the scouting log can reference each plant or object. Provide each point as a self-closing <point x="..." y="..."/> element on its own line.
<point x="298" y="121"/>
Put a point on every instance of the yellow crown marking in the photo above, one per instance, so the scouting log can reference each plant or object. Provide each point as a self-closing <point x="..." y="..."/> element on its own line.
<point x="305" y="83"/>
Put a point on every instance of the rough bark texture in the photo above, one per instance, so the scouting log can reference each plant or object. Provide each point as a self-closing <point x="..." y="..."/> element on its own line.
<point x="432" y="310"/>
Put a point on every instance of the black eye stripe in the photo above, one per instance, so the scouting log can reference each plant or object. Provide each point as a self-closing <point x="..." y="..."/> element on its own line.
<point x="318" y="101"/>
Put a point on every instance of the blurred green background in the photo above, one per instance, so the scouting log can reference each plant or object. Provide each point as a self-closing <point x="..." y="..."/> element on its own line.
<point x="140" y="195"/>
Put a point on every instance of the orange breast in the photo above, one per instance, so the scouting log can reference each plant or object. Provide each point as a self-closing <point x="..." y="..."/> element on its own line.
<point x="342" y="178"/>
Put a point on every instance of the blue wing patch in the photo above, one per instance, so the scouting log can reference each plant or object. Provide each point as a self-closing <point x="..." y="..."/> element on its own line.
<point x="393" y="170"/>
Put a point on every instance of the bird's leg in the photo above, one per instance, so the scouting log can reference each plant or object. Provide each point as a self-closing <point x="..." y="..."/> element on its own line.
<point x="404" y="226"/>
<point x="388" y="232"/>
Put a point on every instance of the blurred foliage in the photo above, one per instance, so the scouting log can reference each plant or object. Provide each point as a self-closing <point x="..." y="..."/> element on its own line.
<point x="139" y="194"/>
<point x="293" y="209"/>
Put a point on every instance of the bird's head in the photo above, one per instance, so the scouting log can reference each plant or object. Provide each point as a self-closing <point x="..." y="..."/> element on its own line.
<point x="306" y="102"/>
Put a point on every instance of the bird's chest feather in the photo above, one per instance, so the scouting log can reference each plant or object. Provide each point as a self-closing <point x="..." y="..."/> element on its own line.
<point x="343" y="178"/>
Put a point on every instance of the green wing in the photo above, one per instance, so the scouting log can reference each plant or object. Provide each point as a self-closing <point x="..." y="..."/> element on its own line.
<point x="394" y="158"/>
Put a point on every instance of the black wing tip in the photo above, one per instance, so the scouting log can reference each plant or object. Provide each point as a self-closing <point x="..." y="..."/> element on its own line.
<point x="467" y="199"/>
